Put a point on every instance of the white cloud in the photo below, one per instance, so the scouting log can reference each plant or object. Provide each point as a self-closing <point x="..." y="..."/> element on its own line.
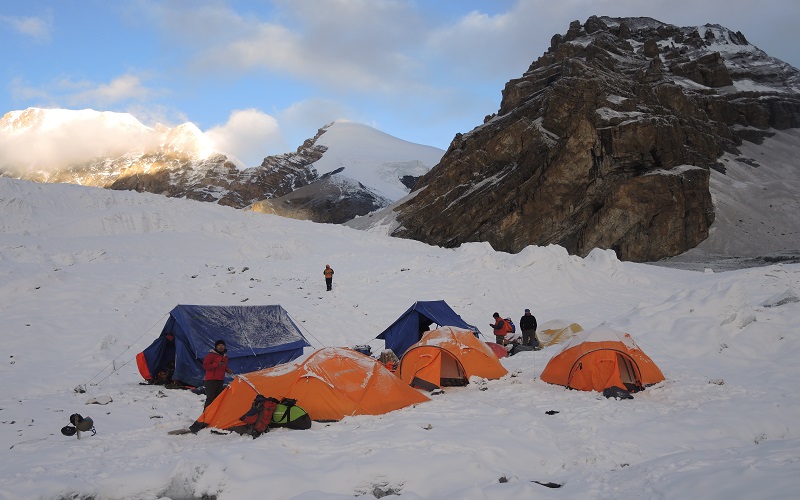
<point x="84" y="94"/>
<point x="154" y="114"/>
<point x="37" y="28"/>
<point x="349" y="45"/>
<point x="311" y="114"/>
<point x="67" y="138"/>
<point x="248" y="135"/>
<point x="102" y="95"/>
<point x="22" y="91"/>
<point x="497" y="47"/>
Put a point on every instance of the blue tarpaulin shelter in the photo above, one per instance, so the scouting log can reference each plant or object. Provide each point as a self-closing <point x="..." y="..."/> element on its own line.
<point x="256" y="337"/>
<point x="408" y="328"/>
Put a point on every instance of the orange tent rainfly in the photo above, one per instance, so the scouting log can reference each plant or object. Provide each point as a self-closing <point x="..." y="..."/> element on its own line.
<point x="601" y="358"/>
<point x="448" y="356"/>
<point x="330" y="384"/>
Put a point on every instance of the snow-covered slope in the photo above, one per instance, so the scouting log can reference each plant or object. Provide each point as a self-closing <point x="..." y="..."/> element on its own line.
<point x="756" y="200"/>
<point x="756" y="207"/>
<point x="88" y="276"/>
<point x="373" y="158"/>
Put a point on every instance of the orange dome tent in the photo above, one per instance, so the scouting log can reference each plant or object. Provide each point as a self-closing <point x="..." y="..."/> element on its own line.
<point x="448" y="356"/>
<point x="600" y="358"/>
<point x="330" y="384"/>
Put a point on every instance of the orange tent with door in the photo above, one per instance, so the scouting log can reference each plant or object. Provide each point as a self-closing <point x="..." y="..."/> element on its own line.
<point x="448" y="356"/>
<point x="330" y="384"/>
<point x="600" y="358"/>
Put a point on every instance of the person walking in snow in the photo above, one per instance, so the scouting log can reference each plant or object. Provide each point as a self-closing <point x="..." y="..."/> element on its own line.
<point x="527" y="323"/>
<point x="328" y="273"/>
<point x="500" y="327"/>
<point x="216" y="366"/>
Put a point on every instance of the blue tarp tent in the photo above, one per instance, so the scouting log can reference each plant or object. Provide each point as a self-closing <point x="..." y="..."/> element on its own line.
<point x="256" y="337"/>
<point x="408" y="328"/>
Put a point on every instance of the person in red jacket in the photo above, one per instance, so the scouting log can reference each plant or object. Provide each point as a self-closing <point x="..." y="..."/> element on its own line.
<point x="216" y="366"/>
<point x="500" y="327"/>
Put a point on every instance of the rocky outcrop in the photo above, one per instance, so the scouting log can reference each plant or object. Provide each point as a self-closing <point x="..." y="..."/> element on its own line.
<point x="216" y="179"/>
<point x="331" y="200"/>
<point x="606" y="141"/>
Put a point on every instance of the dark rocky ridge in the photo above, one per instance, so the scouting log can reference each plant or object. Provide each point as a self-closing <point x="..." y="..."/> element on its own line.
<point x="331" y="200"/>
<point x="606" y="141"/>
<point x="218" y="180"/>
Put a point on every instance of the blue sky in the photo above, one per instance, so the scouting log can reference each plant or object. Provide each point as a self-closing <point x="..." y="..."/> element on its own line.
<point x="265" y="75"/>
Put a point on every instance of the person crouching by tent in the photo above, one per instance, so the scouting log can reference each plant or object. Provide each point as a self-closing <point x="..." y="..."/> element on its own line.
<point x="501" y="328"/>
<point x="527" y="323"/>
<point x="216" y="366"/>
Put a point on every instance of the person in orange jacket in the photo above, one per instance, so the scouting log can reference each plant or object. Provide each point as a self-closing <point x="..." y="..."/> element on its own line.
<point x="500" y="327"/>
<point x="216" y="366"/>
<point x="328" y="272"/>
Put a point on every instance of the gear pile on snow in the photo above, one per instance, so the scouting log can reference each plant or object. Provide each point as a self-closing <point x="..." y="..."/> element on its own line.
<point x="79" y="424"/>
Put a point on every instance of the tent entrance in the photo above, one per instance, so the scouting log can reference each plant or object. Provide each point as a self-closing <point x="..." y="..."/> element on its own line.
<point x="433" y="367"/>
<point x="628" y="373"/>
<point x="452" y="373"/>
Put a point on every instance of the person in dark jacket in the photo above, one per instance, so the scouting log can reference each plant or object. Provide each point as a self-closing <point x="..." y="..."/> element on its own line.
<point x="216" y="366"/>
<point x="527" y="323"/>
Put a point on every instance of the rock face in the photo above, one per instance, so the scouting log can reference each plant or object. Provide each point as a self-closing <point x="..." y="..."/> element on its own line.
<point x="218" y="180"/>
<point x="606" y="141"/>
<point x="331" y="200"/>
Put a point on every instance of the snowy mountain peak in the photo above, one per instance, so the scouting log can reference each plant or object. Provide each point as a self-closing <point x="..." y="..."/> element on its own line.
<point x="187" y="138"/>
<point x="751" y="68"/>
<point x="42" y="120"/>
<point x="373" y="158"/>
